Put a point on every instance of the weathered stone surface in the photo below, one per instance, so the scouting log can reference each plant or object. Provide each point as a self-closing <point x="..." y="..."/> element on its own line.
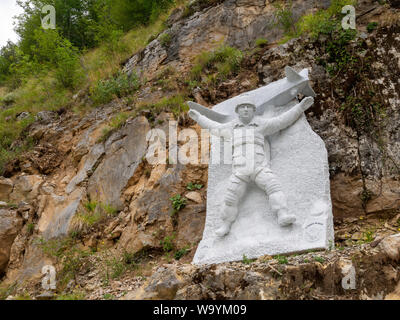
<point x="6" y="187"/>
<point x="238" y="23"/>
<point x="88" y="165"/>
<point x="26" y="187"/>
<point x="124" y="151"/>
<point x="391" y="247"/>
<point x="194" y="196"/>
<point x="10" y="225"/>
<point x="163" y="285"/>
<point x="150" y="213"/>
<point x="56" y="213"/>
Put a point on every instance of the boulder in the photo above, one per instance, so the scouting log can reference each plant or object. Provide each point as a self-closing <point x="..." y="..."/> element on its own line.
<point x="390" y="246"/>
<point x="6" y="187"/>
<point x="10" y="225"/>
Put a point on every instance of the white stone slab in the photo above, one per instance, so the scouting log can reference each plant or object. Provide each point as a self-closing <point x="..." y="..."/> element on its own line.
<point x="299" y="159"/>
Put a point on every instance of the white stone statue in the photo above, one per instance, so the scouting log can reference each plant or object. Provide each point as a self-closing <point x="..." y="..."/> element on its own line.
<point x="274" y="198"/>
<point x="248" y="133"/>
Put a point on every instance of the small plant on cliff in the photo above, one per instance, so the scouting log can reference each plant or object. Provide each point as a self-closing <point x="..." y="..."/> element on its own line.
<point x="319" y="259"/>
<point x="223" y="62"/>
<point x="261" y="42"/>
<point x="167" y="243"/>
<point x="281" y="259"/>
<point x="91" y="206"/>
<point x="181" y="252"/>
<point x="246" y="260"/>
<point x="116" y="123"/>
<point x="372" y="26"/>
<point x="30" y="227"/>
<point x="178" y="203"/>
<point x="120" y="86"/>
<point x="165" y="39"/>
<point x="194" y="186"/>
<point x="76" y="295"/>
<point x="284" y="17"/>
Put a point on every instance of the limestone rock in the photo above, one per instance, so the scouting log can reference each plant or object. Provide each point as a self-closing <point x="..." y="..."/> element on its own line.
<point x="124" y="151"/>
<point x="10" y="225"/>
<point x="194" y="196"/>
<point x="56" y="213"/>
<point x="391" y="247"/>
<point x="26" y="187"/>
<point x="163" y="285"/>
<point x="6" y="187"/>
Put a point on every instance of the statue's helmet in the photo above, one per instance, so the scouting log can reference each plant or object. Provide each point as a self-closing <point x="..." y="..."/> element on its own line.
<point x="245" y="100"/>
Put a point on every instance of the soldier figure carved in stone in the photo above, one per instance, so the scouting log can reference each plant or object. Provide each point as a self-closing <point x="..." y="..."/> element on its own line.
<point x="251" y="157"/>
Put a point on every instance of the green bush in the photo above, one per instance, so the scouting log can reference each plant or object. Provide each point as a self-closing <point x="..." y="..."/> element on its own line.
<point x="225" y="61"/>
<point x="180" y="253"/>
<point x="167" y="243"/>
<point x="178" y="202"/>
<point x="117" y="87"/>
<point x="323" y="21"/>
<point x="372" y="26"/>
<point x="165" y="39"/>
<point x="261" y="42"/>
<point x="284" y="17"/>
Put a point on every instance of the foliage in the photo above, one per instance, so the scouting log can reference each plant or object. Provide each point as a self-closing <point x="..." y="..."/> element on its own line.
<point x="178" y="202"/>
<point x="281" y="259"/>
<point x="38" y="80"/>
<point x="119" y="86"/>
<point x="319" y="259"/>
<point x="6" y="291"/>
<point x="175" y="104"/>
<point x="30" y="227"/>
<point x="68" y="253"/>
<point x="167" y="243"/>
<point x="194" y="186"/>
<point x="224" y="61"/>
<point x="246" y="260"/>
<point x="372" y="26"/>
<point x="165" y="39"/>
<point x="260" y="42"/>
<point x="323" y="21"/>
<point x="116" y="123"/>
<point x="76" y="295"/>
<point x="94" y="214"/>
<point x="7" y="58"/>
<point x="284" y="16"/>
<point x="181" y="252"/>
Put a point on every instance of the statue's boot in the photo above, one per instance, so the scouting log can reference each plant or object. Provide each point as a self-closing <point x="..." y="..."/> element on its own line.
<point x="224" y="229"/>
<point x="285" y="219"/>
<point x="229" y="215"/>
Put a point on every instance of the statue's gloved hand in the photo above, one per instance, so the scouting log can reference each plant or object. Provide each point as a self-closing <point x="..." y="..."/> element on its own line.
<point x="307" y="103"/>
<point x="194" y="115"/>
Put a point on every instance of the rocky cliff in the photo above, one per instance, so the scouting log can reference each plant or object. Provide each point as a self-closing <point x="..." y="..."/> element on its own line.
<point x="86" y="200"/>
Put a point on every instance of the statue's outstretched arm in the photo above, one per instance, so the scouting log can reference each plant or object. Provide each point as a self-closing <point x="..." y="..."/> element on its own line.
<point x="288" y="118"/>
<point x="217" y="123"/>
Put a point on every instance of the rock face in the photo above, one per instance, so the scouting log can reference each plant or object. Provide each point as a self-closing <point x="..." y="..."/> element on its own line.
<point x="6" y="187"/>
<point x="124" y="151"/>
<point x="363" y="152"/>
<point x="70" y="167"/>
<point x="329" y="275"/>
<point x="237" y="23"/>
<point x="10" y="225"/>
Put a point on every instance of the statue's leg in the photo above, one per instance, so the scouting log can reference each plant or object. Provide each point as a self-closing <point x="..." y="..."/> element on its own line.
<point x="230" y="210"/>
<point x="270" y="184"/>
